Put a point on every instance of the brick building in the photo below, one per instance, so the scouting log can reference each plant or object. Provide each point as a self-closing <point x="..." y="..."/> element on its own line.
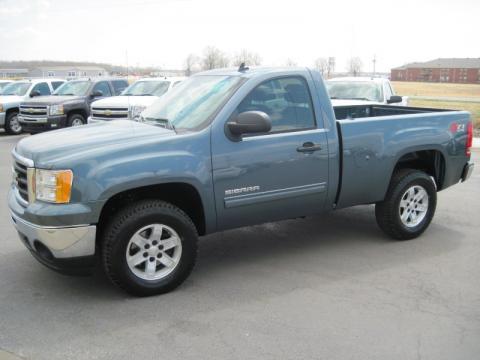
<point x="455" y="70"/>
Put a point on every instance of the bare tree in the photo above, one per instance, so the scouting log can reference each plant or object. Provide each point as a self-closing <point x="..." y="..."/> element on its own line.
<point x="213" y="58"/>
<point x="321" y="64"/>
<point x="247" y="57"/>
<point x="290" y="63"/>
<point x="354" y="65"/>
<point x="191" y="62"/>
<point x="331" y="66"/>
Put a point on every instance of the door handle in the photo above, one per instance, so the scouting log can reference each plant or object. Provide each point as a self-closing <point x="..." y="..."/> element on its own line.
<point x="309" y="147"/>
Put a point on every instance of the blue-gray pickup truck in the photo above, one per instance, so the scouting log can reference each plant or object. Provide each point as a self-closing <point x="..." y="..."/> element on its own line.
<point x="225" y="149"/>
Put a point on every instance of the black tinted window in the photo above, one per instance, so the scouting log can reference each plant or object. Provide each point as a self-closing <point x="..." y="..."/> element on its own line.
<point x="56" y="84"/>
<point x="103" y="87"/>
<point x="285" y="100"/>
<point x="119" y="86"/>
<point x="42" y="88"/>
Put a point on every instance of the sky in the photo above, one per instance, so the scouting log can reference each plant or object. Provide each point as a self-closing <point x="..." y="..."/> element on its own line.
<point x="163" y="33"/>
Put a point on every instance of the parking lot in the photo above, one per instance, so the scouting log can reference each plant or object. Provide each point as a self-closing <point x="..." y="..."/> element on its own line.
<point x="326" y="287"/>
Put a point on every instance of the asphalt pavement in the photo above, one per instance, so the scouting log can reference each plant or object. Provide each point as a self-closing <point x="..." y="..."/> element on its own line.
<point x="325" y="287"/>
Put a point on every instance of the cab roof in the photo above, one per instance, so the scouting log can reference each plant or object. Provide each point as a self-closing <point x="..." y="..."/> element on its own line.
<point x="250" y="72"/>
<point x="359" y="79"/>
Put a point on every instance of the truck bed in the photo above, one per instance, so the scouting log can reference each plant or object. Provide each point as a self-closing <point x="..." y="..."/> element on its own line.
<point x="352" y="112"/>
<point x="373" y="138"/>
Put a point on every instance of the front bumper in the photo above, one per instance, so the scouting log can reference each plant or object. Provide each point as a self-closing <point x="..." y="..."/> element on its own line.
<point x="467" y="171"/>
<point x="39" y="124"/>
<point x="68" y="250"/>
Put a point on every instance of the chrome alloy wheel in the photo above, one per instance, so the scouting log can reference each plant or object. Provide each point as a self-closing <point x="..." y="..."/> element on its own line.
<point x="413" y="206"/>
<point x="77" y="122"/>
<point x="154" y="251"/>
<point x="15" y="124"/>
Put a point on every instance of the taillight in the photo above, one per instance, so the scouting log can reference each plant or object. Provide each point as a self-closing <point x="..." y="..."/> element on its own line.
<point x="468" y="144"/>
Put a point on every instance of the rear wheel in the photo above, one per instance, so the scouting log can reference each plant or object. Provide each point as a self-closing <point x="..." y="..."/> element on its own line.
<point x="409" y="205"/>
<point x="149" y="248"/>
<point x="75" y="120"/>
<point x="12" y="125"/>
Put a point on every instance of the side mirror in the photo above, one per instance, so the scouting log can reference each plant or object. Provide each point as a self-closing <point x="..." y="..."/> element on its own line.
<point x="97" y="93"/>
<point x="394" y="99"/>
<point x="249" y="122"/>
<point x="35" y="93"/>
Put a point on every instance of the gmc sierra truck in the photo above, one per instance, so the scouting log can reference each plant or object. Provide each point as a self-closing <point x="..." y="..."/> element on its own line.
<point x="133" y="100"/>
<point x="225" y="149"/>
<point x="68" y="106"/>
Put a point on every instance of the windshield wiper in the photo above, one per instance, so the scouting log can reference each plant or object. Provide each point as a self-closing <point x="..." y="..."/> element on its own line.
<point x="168" y="124"/>
<point x="359" y="98"/>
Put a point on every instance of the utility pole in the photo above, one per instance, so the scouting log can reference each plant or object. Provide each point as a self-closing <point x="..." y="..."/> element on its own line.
<point x="374" y="61"/>
<point x="126" y="58"/>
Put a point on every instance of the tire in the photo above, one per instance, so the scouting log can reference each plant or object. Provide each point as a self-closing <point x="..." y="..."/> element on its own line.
<point x="12" y="126"/>
<point x="75" y="120"/>
<point x="400" y="200"/>
<point x="136" y="224"/>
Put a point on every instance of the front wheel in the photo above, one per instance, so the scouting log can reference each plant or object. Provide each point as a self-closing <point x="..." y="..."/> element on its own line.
<point x="149" y="248"/>
<point x="12" y="125"/>
<point x="75" y="120"/>
<point x="409" y="205"/>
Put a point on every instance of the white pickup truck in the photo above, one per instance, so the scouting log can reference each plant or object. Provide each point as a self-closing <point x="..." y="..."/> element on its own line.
<point x="365" y="89"/>
<point x="16" y="92"/>
<point x="133" y="100"/>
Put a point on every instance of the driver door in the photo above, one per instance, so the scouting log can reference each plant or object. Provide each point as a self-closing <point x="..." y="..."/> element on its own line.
<point x="278" y="175"/>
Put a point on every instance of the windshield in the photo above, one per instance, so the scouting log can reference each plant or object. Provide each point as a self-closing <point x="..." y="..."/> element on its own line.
<point x="16" y="88"/>
<point x="191" y="104"/>
<point x="3" y="85"/>
<point x="356" y="90"/>
<point x="143" y="88"/>
<point x="76" y="88"/>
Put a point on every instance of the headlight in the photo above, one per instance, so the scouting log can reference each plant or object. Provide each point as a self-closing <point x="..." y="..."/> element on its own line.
<point x="53" y="186"/>
<point x="136" y="111"/>
<point x="56" y="110"/>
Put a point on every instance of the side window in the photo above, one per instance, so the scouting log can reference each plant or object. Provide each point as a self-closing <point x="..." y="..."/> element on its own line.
<point x="119" y="86"/>
<point x="390" y="88"/>
<point x="286" y="100"/>
<point x="103" y="87"/>
<point x="42" y="88"/>
<point x="56" y="84"/>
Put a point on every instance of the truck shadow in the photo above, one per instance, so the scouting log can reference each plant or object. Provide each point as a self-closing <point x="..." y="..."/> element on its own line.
<point x="323" y="248"/>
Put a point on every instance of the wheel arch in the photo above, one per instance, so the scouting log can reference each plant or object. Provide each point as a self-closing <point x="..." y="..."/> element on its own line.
<point x="77" y="112"/>
<point x="10" y="110"/>
<point x="181" y="194"/>
<point x="431" y="160"/>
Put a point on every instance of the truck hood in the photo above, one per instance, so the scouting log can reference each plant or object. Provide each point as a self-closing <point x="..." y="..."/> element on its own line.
<point x="7" y="99"/>
<point x="53" y="99"/>
<point x="60" y="147"/>
<point x="125" y="101"/>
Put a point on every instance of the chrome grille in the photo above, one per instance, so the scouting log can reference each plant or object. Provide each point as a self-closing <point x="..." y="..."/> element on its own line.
<point x="23" y="170"/>
<point x="21" y="181"/>
<point x="35" y="110"/>
<point x="110" y="113"/>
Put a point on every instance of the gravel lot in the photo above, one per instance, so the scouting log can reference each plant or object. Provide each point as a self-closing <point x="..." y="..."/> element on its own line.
<point x="327" y="287"/>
